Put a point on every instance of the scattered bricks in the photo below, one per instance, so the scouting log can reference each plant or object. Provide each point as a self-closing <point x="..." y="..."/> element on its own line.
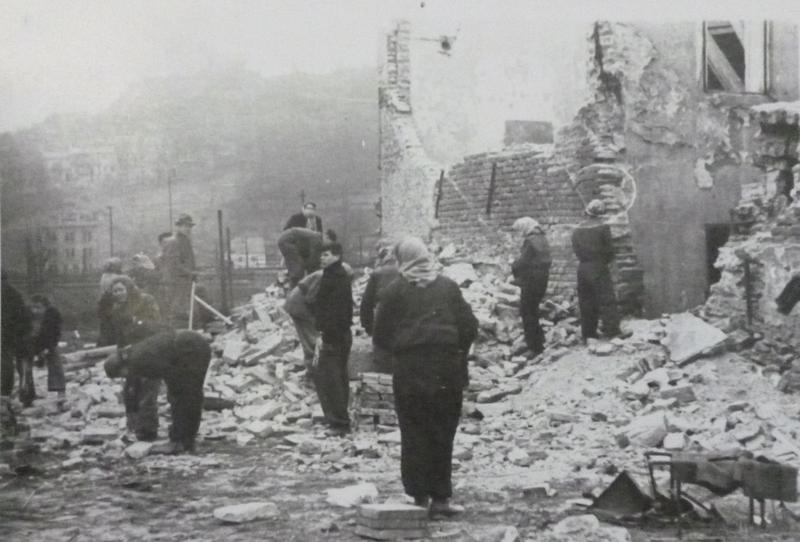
<point x="746" y="432"/>
<point x="354" y="495"/>
<point x="266" y="411"/>
<point x="242" y="513"/>
<point x="138" y="450"/>
<point x="519" y="457"/>
<point x="674" y="442"/>
<point x="738" y="406"/>
<point x="648" y="430"/>
<point x="557" y="418"/>
<point x="492" y="396"/>
<point x="98" y="434"/>
<point x="539" y="491"/>
<point x="234" y="349"/>
<point x="683" y="394"/>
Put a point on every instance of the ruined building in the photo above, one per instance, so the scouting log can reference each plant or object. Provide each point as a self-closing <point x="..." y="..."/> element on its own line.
<point x="654" y="118"/>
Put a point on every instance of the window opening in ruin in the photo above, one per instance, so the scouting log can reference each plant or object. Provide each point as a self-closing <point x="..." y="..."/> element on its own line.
<point x="716" y="237"/>
<point x="785" y="184"/>
<point x="735" y="56"/>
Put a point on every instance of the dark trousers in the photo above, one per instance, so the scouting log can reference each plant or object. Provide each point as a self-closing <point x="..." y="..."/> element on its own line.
<point x="141" y="406"/>
<point x="294" y="261"/>
<point x="16" y="360"/>
<point x="56" y="381"/>
<point x="332" y="382"/>
<point x="185" y="387"/>
<point x="596" y="300"/>
<point x="428" y="421"/>
<point x="533" y="290"/>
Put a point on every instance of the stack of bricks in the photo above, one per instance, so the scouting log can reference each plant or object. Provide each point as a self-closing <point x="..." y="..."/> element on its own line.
<point x="373" y="404"/>
<point x="392" y="521"/>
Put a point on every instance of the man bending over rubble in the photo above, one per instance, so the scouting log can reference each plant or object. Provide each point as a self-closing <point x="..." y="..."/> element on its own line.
<point x="180" y="358"/>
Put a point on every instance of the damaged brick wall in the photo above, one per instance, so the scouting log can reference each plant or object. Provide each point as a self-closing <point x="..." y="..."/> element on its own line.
<point x="477" y="212"/>
<point x="408" y="175"/>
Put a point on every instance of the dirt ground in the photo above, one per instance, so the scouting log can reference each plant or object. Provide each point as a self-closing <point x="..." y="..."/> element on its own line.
<point x="173" y="499"/>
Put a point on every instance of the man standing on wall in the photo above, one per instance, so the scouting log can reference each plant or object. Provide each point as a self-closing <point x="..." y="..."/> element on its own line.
<point x="307" y="218"/>
<point x="178" y="273"/>
<point x="594" y="248"/>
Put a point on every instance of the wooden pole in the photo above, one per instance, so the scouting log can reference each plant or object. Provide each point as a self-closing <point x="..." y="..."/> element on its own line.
<point x="191" y="306"/>
<point x="229" y="267"/>
<point x="222" y="286"/>
<point x="214" y="311"/>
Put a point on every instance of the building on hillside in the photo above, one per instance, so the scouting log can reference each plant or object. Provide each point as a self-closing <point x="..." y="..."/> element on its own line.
<point x="74" y="240"/>
<point x="653" y="117"/>
<point x="80" y="168"/>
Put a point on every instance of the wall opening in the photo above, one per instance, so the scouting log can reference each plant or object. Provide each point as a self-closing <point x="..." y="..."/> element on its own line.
<point x="716" y="237"/>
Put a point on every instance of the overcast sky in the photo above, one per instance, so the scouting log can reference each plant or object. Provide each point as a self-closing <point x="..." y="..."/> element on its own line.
<point x="79" y="55"/>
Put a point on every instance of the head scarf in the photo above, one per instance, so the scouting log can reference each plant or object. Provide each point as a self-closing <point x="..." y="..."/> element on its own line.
<point x="385" y="249"/>
<point x="596" y="208"/>
<point x="143" y="261"/>
<point x="527" y="225"/>
<point x="415" y="263"/>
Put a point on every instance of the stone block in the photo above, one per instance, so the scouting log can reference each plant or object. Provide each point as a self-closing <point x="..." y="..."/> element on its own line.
<point x="350" y="496"/>
<point x="242" y="513"/>
<point x="98" y="434"/>
<point x="648" y="430"/>
<point x="683" y="394"/>
<point x="689" y="337"/>
<point x="138" y="450"/>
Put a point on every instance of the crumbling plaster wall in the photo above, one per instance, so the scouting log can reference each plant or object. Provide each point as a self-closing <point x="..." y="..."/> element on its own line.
<point x="687" y="150"/>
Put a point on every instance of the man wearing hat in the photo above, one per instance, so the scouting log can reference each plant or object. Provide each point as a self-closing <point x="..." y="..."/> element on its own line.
<point x="594" y="248"/>
<point x="178" y="273"/>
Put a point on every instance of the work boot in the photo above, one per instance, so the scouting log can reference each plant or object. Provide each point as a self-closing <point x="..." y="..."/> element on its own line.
<point x="444" y="508"/>
<point x="423" y="501"/>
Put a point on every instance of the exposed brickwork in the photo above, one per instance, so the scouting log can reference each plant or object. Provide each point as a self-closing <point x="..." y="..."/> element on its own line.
<point x="408" y="176"/>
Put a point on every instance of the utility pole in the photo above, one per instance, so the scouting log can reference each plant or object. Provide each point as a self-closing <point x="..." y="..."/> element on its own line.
<point x="110" y="231"/>
<point x="222" y="286"/>
<point x="169" y="192"/>
<point x="230" y="265"/>
<point x="246" y="255"/>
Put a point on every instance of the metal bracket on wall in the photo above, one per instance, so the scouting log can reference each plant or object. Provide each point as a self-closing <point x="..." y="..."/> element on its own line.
<point x="490" y="196"/>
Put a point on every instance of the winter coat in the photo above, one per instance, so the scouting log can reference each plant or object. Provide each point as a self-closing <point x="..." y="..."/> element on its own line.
<point x="378" y="281"/>
<point x="49" y="331"/>
<point x="534" y="259"/>
<point x="135" y="319"/>
<point x="333" y="306"/>
<point x="299" y="220"/>
<point x="592" y="243"/>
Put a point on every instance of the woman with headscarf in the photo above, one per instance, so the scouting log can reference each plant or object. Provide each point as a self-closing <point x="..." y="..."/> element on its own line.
<point x="112" y="269"/>
<point x="532" y="272"/>
<point x="425" y="322"/>
<point x="135" y="316"/>
<point x="594" y="248"/>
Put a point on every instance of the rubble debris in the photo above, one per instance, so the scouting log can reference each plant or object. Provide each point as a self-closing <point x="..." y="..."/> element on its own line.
<point x="350" y="496"/>
<point x="138" y="450"/>
<point x="648" y="430"/>
<point x="689" y="337"/>
<point x="373" y="403"/>
<point x="391" y="521"/>
<point x="243" y="513"/>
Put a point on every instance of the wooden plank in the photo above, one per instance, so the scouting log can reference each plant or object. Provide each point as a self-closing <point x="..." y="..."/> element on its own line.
<point x="722" y="68"/>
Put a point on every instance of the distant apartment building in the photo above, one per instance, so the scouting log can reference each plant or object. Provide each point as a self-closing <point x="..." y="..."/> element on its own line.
<point x="71" y="240"/>
<point x="81" y="167"/>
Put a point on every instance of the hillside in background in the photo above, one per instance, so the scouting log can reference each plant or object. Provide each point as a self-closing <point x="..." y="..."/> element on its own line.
<point x="229" y="140"/>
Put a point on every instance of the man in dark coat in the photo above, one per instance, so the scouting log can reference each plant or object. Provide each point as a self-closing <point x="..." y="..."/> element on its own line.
<point x="307" y="219"/>
<point x="333" y="316"/>
<point x="384" y="274"/>
<point x="594" y="248"/>
<point x="181" y="359"/>
<point x="428" y="326"/>
<point x="45" y="342"/>
<point x="178" y="272"/>
<point x="16" y="334"/>
<point x="532" y="272"/>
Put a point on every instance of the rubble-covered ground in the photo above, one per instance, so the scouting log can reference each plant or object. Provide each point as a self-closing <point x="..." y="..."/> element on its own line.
<point x="538" y="436"/>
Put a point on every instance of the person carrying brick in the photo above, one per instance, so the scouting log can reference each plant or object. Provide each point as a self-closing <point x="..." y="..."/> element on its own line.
<point x="425" y="322"/>
<point x="333" y="316"/>
<point x="181" y="359"/>
<point x="531" y="272"/>
<point x="594" y="248"/>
